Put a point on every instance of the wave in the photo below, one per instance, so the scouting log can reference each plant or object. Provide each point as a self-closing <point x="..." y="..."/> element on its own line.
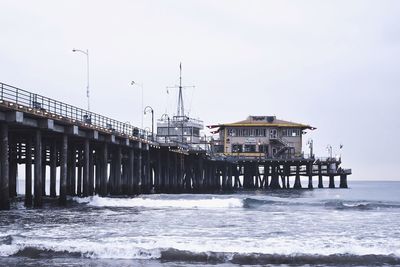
<point x="219" y="202"/>
<point x="262" y="259"/>
<point x="360" y="205"/>
<point x="204" y="203"/>
<point x="171" y="254"/>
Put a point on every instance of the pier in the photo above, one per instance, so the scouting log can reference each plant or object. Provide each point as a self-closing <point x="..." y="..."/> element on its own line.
<point x="84" y="153"/>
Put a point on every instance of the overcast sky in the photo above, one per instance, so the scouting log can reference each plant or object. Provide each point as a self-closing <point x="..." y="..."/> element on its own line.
<point x="332" y="64"/>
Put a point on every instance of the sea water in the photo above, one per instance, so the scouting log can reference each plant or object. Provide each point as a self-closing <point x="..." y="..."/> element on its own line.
<point x="324" y="227"/>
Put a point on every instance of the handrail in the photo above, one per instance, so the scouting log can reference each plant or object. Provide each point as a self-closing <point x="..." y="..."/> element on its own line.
<point x="41" y="103"/>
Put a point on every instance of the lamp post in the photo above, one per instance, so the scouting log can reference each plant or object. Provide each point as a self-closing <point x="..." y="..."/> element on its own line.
<point x="152" y="120"/>
<point x="141" y="86"/>
<point x="87" y="73"/>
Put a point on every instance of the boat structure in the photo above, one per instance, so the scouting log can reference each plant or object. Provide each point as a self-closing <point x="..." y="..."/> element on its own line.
<point x="180" y="131"/>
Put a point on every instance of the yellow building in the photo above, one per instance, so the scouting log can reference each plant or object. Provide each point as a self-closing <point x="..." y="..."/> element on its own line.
<point x="260" y="136"/>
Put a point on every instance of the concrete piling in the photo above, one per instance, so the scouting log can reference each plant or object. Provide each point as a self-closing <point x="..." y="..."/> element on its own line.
<point x="63" y="170"/>
<point x="91" y="172"/>
<point x="28" y="172"/>
<point x="13" y="167"/>
<point x="104" y="170"/>
<point x="37" y="200"/>
<point x="297" y="182"/>
<point x="310" y="175"/>
<point x="331" y="181"/>
<point x="343" y="181"/>
<point x="320" y="181"/>
<point x="86" y="159"/>
<point x="4" y="179"/>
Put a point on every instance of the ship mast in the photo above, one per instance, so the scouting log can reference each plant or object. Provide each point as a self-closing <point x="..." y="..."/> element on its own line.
<point x="181" y="109"/>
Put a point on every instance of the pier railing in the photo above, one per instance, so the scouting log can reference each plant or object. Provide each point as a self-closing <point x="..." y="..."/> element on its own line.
<point x="43" y="104"/>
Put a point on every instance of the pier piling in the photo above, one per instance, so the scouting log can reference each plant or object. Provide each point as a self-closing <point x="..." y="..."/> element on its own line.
<point x="4" y="179"/>
<point x="28" y="172"/>
<point x="63" y="170"/>
<point x="37" y="201"/>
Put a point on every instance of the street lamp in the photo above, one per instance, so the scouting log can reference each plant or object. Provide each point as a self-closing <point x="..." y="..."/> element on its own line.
<point x="87" y="70"/>
<point x="141" y="86"/>
<point x="152" y="120"/>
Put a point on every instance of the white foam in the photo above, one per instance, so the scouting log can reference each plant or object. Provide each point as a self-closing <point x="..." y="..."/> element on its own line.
<point x="97" y="201"/>
<point x="7" y="250"/>
<point x="152" y="247"/>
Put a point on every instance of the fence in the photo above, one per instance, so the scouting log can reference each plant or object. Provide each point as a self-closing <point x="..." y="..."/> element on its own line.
<point x="44" y="104"/>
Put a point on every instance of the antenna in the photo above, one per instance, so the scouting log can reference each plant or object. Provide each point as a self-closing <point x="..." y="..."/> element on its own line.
<point x="181" y="106"/>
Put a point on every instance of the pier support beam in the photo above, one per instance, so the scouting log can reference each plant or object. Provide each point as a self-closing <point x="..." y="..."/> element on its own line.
<point x="287" y="173"/>
<point x="297" y="182"/>
<point x="91" y="172"/>
<point x="13" y="166"/>
<point x="86" y="160"/>
<point x="104" y="170"/>
<point x="63" y="170"/>
<point x="266" y="175"/>
<point x="139" y="170"/>
<point x="117" y="166"/>
<point x="37" y="201"/>
<point x="4" y="179"/>
<point x="28" y="172"/>
<point x="44" y="163"/>
<point x="320" y="181"/>
<point x="248" y="176"/>
<point x="331" y="181"/>
<point x="131" y="174"/>
<point x="72" y="168"/>
<point x="343" y="181"/>
<point x="310" y="175"/>
<point x="274" y="177"/>
<point x="79" y="178"/>
<point x="158" y="184"/>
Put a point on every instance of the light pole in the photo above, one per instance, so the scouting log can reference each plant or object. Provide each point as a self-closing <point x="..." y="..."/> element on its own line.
<point x="87" y="73"/>
<point x="152" y="120"/>
<point x="141" y="86"/>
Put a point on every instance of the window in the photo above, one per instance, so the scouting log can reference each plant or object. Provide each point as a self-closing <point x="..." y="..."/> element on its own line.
<point x="237" y="148"/>
<point x="249" y="148"/>
<point x="218" y="148"/>
<point x="196" y="131"/>
<point x="291" y="132"/>
<point x="263" y="149"/>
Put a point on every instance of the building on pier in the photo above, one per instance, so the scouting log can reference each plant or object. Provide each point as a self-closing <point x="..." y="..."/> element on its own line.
<point x="260" y="137"/>
<point x="180" y="130"/>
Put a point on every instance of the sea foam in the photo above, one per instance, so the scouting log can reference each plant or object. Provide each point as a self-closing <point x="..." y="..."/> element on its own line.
<point x="204" y="203"/>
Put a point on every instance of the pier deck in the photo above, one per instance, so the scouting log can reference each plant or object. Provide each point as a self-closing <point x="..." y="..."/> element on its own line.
<point x="84" y="153"/>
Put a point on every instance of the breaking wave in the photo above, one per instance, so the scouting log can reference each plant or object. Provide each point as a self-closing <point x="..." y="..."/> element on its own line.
<point x="171" y="254"/>
<point x="218" y="202"/>
<point x="360" y="205"/>
<point x="204" y="203"/>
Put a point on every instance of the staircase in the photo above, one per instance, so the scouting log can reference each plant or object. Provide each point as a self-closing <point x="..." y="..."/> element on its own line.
<point x="283" y="143"/>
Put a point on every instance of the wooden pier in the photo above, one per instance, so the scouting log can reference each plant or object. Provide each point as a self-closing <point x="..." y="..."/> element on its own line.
<point x="84" y="153"/>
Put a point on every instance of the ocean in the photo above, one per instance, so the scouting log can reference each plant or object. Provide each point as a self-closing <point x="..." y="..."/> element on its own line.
<point x="359" y="226"/>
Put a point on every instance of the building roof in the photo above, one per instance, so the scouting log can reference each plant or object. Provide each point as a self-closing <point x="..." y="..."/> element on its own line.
<point x="262" y="121"/>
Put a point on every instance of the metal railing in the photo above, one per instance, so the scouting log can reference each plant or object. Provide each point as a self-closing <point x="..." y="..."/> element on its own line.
<point x="45" y="105"/>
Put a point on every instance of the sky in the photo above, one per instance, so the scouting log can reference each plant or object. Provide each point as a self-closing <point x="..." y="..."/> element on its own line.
<point x="334" y="65"/>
